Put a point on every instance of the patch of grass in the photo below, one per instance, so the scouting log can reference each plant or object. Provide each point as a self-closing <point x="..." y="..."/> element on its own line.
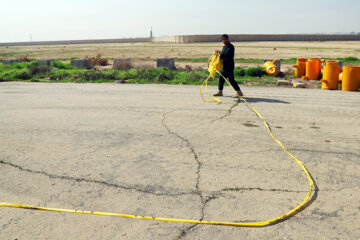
<point x="255" y="71"/>
<point x="238" y="60"/>
<point x="249" y="60"/>
<point x="347" y="60"/>
<point x="16" y="71"/>
<point x="15" y="74"/>
<point x="200" y="59"/>
<point x="64" y="72"/>
<point x="7" y="54"/>
<point x="61" y="65"/>
<point x="288" y="60"/>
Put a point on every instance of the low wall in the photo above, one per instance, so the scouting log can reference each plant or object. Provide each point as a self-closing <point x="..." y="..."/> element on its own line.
<point x="258" y="37"/>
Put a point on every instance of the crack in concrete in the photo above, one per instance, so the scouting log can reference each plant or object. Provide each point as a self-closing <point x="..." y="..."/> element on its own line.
<point x="228" y="112"/>
<point x="183" y="232"/>
<point x="242" y="153"/>
<point x="339" y="189"/>
<point x="325" y="152"/>
<point x="191" y="148"/>
<point x="237" y="189"/>
<point x="53" y="176"/>
<point x="204" y="200"/>
<point x="198" y="170"/>
<point x="11" y="221"/>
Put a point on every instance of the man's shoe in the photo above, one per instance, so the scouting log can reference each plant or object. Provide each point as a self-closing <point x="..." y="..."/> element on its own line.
<point x="219" y="94"/>
<point x="239" y="94"/>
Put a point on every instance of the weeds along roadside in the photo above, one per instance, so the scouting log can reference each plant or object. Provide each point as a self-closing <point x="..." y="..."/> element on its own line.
<point x="65" y="72"/>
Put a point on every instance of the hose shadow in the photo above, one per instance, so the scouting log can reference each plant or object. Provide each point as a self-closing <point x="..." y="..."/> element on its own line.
<point x="311" y="201"/>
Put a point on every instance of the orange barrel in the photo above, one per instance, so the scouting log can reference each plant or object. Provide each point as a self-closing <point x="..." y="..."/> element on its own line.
<point x="350" y="80"/>
<point x="271" y="69"/>
<point x="313" y="69"/>
<point x="357" y="68"/>
<point x="330" y="79"/>
<point x="300" y="67"/>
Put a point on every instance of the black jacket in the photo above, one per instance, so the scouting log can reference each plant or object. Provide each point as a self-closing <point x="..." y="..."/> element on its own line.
<point x="227" y="57"/>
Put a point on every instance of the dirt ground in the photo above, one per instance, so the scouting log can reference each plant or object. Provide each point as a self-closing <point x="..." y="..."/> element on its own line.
<point x="158" y="150"/>
<point x="146" y="53"/>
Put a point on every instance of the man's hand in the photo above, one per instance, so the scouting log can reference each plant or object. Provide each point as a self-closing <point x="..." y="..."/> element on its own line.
<point x="217" y="51"/>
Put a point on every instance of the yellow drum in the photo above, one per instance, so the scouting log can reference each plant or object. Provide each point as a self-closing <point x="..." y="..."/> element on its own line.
<point x="331" y="73"/>
<point x="271" y="69"/>
<point x="300" y="67"/>
<point x="313" y="69"/>
<point x="350" y="80"/>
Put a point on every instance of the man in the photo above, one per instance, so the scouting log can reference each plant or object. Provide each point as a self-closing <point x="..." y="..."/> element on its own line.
<point x="227" y="57"/>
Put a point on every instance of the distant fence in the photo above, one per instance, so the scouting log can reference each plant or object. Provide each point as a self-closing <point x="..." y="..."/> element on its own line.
<point x="94" y="41"/>
<point x="203" y="38"/>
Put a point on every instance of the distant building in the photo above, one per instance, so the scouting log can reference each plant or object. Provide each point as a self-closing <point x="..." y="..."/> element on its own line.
<point x="151" y="33"/>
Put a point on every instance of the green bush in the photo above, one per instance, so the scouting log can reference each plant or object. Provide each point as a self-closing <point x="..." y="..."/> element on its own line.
<point x="239" y="72"/>
<point x="146" y="74"/>
<point x="350" y="59"/>
<point x="24" y="75"/>
<point x="15" y="74"/>
<point x="39" y="69"/>
<point x="18" y="65"/>
<point x="255" y="71"/>
<point x="131" y="74"/>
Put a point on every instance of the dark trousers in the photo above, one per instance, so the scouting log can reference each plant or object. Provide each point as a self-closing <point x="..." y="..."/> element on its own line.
<point x="229" y="74"/>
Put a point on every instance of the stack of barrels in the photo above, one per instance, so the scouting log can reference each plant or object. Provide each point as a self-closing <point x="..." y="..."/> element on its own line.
<point x="332" y="74"/>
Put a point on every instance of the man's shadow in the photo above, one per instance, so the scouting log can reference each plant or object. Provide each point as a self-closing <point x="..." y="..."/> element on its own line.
<point x="267" y="100"/>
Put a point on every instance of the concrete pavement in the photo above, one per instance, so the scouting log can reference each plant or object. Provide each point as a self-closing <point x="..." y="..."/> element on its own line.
<point x="158" y="150"/>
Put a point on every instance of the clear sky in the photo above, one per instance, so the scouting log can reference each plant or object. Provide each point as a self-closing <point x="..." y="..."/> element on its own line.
<point x="90" y="19"/>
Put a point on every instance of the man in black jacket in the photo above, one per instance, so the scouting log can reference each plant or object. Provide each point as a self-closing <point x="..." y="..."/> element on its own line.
<point x="227" y="57"/>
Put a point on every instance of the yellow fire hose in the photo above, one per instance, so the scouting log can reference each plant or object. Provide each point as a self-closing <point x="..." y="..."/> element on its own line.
<point x="214" y="66"/>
